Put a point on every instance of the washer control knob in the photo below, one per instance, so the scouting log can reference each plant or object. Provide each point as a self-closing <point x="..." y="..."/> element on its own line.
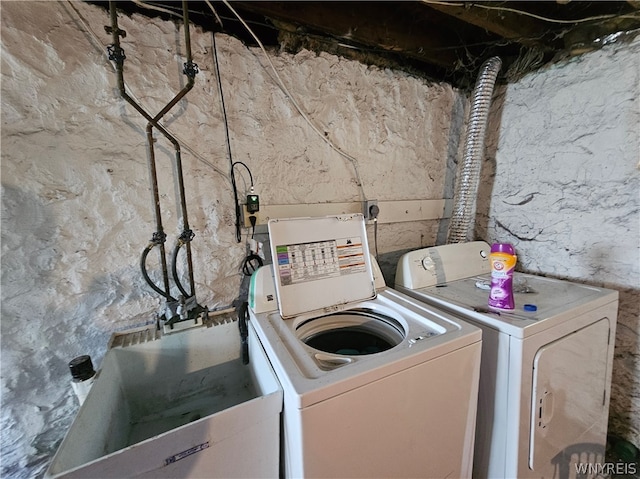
<point x="428" y="264"/>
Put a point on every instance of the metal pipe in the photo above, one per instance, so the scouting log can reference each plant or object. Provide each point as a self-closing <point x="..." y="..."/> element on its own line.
<point x="159" y="237"/>
<point x="117" y="55"/>
<point x="462" y="223"/>
<point x="190" y="70"/>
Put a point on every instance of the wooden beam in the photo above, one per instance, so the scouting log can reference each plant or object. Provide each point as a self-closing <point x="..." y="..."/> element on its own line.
<point x="507" y="24"/>
<point x="383" y="25"/>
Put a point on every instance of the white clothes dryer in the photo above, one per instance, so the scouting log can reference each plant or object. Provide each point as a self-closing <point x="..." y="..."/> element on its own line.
<point x="546" y="367"/>
<point x="376" y="384"/>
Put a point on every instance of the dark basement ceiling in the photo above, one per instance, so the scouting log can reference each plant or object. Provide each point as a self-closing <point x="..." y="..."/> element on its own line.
<point x="442" y="41"/>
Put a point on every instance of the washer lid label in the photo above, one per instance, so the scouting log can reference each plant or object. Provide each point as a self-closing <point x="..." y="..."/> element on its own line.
<point x="303" y="262"/>
<point x="320" y="262"/>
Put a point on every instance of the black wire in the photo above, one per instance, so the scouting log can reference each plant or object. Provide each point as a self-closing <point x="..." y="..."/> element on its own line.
<point x="228" y="141"/>
<point x="243" y="317"/>
<point x="145" y="275"/>
<point x="248" y="170"/>
<point x="251" y="263"/>
<point x="252" y="220"/>
<point x="174" y="270"/>
<point x="238" y="207"/>
<point x="238" y="211"/>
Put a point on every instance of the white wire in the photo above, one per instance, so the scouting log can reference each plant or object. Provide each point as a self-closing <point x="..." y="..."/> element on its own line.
<point x="284" y="89"/>
<point x="447" y="4"/>
<point x="97" y="44"/>
<point x="214" y="11"/>
<point x="521" y="12"/>
<point x="154" y="7"/>
<point x="581" y="20"/>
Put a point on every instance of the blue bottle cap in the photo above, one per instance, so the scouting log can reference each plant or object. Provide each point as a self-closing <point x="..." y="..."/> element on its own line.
<point x="530" y="307"/>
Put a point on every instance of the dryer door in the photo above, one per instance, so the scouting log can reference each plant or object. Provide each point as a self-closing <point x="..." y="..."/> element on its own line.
<point x="569" y="398"/>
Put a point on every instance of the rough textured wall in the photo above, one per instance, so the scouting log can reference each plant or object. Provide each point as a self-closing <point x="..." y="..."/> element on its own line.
<point x="561" y="183"/>
<point x="76" y="201"/>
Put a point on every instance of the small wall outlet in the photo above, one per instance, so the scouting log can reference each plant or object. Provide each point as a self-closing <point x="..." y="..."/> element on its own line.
<point x="370" y="210"/>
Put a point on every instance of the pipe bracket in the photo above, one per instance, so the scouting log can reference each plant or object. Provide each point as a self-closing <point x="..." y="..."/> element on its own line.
<point x="116" y="53"/>
<point x="186" y="236"/>
<point x="191" y="69"/>
<point x="109" y="29"/>
<point x="159" y="237"/>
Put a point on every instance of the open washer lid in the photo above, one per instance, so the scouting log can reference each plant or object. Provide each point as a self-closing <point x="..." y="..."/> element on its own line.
<point x="320" y="263"/>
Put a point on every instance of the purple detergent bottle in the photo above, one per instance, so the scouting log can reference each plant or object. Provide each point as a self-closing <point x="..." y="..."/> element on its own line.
<point x="503" y="263"/>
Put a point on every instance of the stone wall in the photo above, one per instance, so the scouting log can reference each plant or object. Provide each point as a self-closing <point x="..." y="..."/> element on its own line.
<point x="76" y="200"/>
<point x="561" y="181"/>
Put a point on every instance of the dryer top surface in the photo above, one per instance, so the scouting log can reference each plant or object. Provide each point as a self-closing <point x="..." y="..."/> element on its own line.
<point x="555" y="301"/>
<point x="456" y="277"/>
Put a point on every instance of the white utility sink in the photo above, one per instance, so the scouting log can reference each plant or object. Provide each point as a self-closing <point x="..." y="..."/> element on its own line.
<point x="181" y="405"/>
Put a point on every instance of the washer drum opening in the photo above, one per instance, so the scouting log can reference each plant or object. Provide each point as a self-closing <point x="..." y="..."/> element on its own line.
<point x="354" y="332"/>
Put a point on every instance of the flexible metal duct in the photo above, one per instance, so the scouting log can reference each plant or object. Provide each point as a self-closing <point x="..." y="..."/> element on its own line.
<point x="461" y="226"/>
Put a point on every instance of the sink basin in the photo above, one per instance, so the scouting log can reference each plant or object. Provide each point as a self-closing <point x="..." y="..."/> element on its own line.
<point x="181" y="405"/>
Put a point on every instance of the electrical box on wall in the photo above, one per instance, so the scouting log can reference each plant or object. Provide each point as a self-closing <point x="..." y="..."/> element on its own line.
<point x="370" y="210"/>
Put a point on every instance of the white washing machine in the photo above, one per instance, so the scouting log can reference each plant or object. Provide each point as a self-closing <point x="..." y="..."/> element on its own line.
<point x="545" y="375"/>
<point x="376" y="384"/>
